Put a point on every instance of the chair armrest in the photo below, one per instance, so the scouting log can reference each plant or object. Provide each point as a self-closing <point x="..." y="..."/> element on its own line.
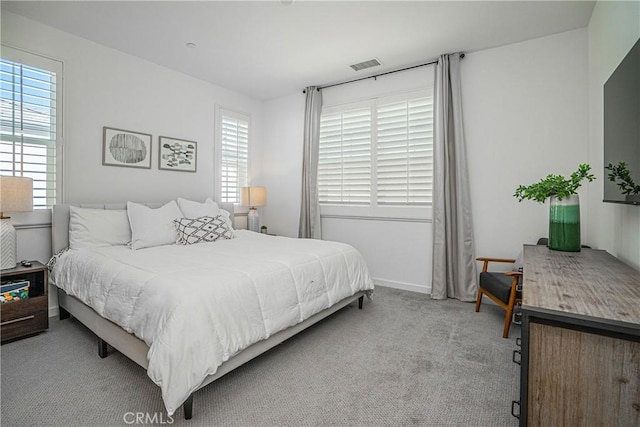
<point x="487" y="260"/>
<point x="496" y="259"/>
<point x="513" y="273"/>
<point x="516" y="278"/>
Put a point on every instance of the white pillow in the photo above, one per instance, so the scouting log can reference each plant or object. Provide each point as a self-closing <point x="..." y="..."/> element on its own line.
<point x="94" y="228"/>
<point x="152" y="227"/>
<point x="191" y="209"/>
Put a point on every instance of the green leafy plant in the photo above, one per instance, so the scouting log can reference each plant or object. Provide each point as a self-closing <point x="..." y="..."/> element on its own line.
<point x="555" y="185"/>
<point x="621" y="173"/>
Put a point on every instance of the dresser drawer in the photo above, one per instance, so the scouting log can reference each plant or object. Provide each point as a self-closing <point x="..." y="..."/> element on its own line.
<point x="24" y="317"/>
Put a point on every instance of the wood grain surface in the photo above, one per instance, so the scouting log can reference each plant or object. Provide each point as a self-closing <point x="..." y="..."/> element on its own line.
<point x="589" y="284"/>
<point x="582" y="379"/>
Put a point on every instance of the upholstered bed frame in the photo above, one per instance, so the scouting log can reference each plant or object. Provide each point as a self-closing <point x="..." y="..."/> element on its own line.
<point x="136" y="349"/>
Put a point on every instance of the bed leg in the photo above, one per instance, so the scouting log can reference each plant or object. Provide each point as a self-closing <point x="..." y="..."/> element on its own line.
<point x="360" y="301"/>
<point x="102" y="348"/>
<point x="188" y="407"/>
<point x="64" y="314"/>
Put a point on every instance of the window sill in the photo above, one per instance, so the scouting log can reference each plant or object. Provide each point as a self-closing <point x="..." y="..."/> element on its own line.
<point x="378" y="213"/>
<point x="376" y="218"/>
<point x="39" y="218"/>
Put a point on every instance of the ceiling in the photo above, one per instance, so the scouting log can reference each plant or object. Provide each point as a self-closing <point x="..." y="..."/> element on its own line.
<point x="268" y="49"/>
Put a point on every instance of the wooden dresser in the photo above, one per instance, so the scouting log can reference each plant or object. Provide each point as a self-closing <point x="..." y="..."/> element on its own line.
<point x="580" y="357"/>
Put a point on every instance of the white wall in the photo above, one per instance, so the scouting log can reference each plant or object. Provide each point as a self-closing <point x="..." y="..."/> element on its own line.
<point x="525" y="112"/>
<point x="105" y="87"/>
<point x="281" y="172"/>
<point x="525" y="109"/>
<point x="612" y="31"/>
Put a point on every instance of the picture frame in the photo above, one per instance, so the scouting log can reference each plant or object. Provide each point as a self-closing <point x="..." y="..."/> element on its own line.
<point x="126" y="148"/>
<point x="177" y="154"/>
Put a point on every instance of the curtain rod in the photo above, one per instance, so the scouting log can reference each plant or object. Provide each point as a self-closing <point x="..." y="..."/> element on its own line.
<point x="375" y="76"/>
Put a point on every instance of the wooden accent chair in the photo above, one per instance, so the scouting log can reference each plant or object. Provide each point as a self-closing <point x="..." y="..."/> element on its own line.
<point x="501" y="287"/>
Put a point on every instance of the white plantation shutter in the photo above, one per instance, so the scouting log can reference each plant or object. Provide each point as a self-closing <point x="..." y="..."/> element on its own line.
<point x="405" y="152"/>
<point x="234" y="130"/>
<point x="29" y="121"/>
<point x="378" y="153"/>
<point x="344" y="164"/>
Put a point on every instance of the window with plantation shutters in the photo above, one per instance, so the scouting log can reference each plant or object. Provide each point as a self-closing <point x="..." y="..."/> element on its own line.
<point x="344" y="164"/>
<point x="405" y="152"/>
<point x="30" y="121"/>
<point x="234" y="158"/>
<point x="378" y="154"/>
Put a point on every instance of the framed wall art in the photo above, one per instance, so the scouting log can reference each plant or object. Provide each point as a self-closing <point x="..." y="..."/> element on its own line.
<point x="126" y="148"/>
<point x="177" y="154"/>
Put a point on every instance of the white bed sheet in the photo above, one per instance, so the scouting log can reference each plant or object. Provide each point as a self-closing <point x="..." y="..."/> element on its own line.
<point x="198" y="305"/>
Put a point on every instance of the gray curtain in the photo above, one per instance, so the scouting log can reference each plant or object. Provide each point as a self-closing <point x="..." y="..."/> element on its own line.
<point x="309" y="208"/>
<point x="454" y="267"/>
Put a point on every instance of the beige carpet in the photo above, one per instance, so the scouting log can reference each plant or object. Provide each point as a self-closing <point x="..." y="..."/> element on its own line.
<point x="402" y="360"/>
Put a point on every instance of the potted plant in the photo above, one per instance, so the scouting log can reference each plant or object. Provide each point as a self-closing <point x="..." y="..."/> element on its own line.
<point x="620" y="173"/>
<point x="564" y="208"/>
<point x="263" y="229"/>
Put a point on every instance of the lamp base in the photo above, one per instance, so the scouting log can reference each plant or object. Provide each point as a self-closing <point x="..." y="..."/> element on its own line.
<point x="7" y="244"/>
<point x="253" y="220"/>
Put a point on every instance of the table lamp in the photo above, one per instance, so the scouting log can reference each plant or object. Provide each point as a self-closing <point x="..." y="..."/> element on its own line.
<point x="16" y="195"/>
<point x="253" y="197"/>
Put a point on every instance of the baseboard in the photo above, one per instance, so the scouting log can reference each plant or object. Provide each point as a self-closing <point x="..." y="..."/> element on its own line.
<point x="54" y="311"/>
<point x="402" y="285"/>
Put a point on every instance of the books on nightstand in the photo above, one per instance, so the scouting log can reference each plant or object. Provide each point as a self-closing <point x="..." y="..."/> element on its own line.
<point x="14" y="291"/>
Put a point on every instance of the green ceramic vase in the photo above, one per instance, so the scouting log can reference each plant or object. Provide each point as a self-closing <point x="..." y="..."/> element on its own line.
<point x="564" y="224"/>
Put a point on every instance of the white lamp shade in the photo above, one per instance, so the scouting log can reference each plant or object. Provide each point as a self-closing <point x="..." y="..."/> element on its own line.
<point x="254" y="196"/>
<point x="16" y="194"/>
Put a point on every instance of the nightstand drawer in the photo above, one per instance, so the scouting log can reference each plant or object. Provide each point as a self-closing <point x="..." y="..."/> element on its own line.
<point x="24" y="317"/>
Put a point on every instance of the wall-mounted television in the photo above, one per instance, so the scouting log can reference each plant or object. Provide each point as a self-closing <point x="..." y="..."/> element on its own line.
<point x="622" y="124"/>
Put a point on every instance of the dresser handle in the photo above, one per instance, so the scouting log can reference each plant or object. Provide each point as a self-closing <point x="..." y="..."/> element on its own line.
<point x="514" y="356"/>
<point x="8" y="322"/>
<point x="513" y="408"/>
<point x="519" y="342"/>
<point x="517" y="318"/>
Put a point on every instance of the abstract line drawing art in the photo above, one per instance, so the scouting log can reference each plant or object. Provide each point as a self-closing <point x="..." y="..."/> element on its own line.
<point x="126" y="148"/>
<point x="177" y="154"/>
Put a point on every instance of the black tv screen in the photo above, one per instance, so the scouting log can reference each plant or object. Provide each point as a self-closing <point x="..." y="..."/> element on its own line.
<point x="622" y="124"/>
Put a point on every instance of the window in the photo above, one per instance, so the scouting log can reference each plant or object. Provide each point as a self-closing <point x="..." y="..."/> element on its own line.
<point x="377" y="153"/>
<point x="234" y="154"/>
<point x="30" y="121"/>
<point x="344" y="164"/>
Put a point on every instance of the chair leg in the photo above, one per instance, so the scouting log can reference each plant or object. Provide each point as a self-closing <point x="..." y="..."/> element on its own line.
<point x="507" y="322"/>
<point x="478" y="300"/>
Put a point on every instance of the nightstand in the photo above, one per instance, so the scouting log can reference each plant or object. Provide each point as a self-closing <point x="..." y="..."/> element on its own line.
<point x="29" y="316"/>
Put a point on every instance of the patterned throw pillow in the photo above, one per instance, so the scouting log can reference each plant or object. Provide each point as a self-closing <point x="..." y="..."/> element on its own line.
<point x="203" y="229"/>
<point x="55" y="257"/>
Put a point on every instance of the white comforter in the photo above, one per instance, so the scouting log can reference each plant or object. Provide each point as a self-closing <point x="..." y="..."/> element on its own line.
<point x="198" y="305"/>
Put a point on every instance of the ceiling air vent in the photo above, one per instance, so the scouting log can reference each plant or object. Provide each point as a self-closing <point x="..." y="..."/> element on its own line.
<point x="366" y="64"/>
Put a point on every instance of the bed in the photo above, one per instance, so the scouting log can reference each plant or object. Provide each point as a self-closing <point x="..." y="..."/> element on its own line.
<point x="190" y="313"/>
